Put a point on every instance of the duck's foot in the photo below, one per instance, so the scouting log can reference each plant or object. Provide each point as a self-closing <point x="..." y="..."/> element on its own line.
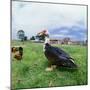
<point x="54" y="66"/>
<point x="50" y="68"/>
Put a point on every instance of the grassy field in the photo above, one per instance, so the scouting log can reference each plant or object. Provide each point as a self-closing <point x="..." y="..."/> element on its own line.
<point x="30" y="72"/>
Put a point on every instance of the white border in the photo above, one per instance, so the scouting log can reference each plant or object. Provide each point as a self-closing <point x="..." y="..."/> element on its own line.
<point x="5" y="44"/>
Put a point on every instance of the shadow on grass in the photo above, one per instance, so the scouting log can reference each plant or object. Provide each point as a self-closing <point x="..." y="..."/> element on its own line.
<point x="67" y="69"/>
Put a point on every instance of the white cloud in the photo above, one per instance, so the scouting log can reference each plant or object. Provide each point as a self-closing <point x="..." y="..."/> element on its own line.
<point x="62" y="36"/>
<point x="64" y="32"/>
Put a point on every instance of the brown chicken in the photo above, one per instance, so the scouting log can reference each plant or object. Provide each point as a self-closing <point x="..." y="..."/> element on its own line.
<point x="14" y="49"/>
<point x="18" y="55"/>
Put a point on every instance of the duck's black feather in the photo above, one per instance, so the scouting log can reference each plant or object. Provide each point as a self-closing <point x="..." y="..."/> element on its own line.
<point x="57" y="56"/>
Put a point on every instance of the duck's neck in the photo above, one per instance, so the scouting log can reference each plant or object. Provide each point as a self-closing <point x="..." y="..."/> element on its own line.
<point x="47" y="40"/>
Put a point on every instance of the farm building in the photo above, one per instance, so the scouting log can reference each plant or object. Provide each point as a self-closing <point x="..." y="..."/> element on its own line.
<point x="59" y="41"/>
<point x="67" y="42"/>
<point x="55" y="41"/>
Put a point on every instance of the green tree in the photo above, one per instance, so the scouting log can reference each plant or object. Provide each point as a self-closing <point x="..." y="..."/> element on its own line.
<point x="21" y="35"/>
<point x="32" y="38"/>
<point x="41" y="37"/>
<point x="25" y="38"/>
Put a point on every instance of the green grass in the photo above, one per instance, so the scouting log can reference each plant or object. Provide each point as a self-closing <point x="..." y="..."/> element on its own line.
<point x="30" y="72"/>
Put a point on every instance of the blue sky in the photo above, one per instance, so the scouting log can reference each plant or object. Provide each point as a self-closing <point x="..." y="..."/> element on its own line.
<point x="59" y="19"/>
